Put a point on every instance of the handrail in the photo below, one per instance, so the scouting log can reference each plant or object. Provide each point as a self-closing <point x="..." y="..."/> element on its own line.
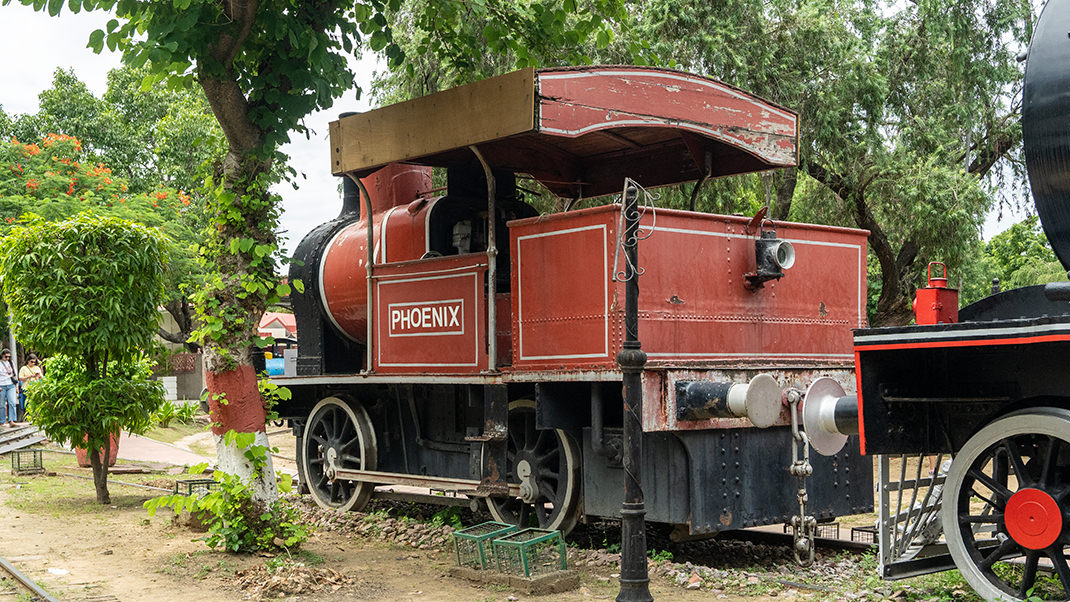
<point x="492" y="264"/>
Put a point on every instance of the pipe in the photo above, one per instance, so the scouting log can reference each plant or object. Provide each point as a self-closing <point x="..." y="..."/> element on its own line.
<point x="705" y="176"/>
<point x="840" y="416"/>
<point x="492" y="264"/>
<point x="370" y="250"/>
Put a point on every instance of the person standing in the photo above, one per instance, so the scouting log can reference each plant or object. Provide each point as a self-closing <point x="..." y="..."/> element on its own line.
<point x="8" y="383"/>
<point x="28" y="374"/>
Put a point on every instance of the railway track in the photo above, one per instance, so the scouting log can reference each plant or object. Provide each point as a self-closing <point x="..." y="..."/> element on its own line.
<point x="26" y="583"/>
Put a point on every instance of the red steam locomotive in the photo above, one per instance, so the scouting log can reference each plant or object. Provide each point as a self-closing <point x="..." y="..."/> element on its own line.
<point x="455" y="339"/>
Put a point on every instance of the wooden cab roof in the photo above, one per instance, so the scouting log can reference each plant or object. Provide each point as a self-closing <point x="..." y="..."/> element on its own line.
<point x="578" y="130"/>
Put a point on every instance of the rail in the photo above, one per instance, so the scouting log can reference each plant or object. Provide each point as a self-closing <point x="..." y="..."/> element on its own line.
<point x="26" y="582"/>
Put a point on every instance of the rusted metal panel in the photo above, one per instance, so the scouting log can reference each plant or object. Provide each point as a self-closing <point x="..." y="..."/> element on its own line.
<point x="574" y="102"/>
<point x="490" y="109"/>
<point x="431" y="315"/>
<point x="577" y="129"/>
<point x="563" y="293"/>
<point x="694" y="307"/>
<point x="659" y="390"/>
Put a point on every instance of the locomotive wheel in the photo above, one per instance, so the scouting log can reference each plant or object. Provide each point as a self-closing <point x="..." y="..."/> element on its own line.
<point x="338" y="435"/>
<point x="547" y="466"/>
<point x="1007" y="498"/>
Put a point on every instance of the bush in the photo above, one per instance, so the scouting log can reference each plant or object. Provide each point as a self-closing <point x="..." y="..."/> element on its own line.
<point x="236" y="521"/>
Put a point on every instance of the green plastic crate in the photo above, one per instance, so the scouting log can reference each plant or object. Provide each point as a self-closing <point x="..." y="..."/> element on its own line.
<point x="197" y="487"/>
<point x="531" y="552"/>
<point x="27" y="461"/>
<point x="473" y="544"/>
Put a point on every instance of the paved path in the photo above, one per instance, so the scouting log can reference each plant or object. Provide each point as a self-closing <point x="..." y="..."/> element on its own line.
<point x="143" y="449"/>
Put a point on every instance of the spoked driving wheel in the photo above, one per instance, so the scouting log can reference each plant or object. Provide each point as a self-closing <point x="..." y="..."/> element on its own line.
<point x="1006" y="504"/>
<point x="338" y="435"/>
<point x="546" y="465"/>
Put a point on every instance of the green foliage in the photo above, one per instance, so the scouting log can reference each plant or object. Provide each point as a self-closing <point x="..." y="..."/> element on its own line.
<point x="83" y="409"/>
<point x="904" y="110"/>
<point x="1022" y="256"/>
<point x="272" y="394"/>
<point x="186" y="413"/>
<point x="87" y="287"/>
<point x="170" y="411"/>
<point x="153" y="137"/>
<point x="85" y="291"/>
<point x="450" y="515"/>
<point x="56" y="178"/>
<point x="165" y="414"/>
<point x="660" y="555"/>
<point x="236" y="521"/>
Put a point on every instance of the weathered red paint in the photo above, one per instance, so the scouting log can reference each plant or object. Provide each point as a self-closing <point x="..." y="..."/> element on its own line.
<point x="693" y="305"/>
<point x="430" y="315"/>
<point x="574" y="102"/>
<point x="243" y="411"/>
<point x="343" y="286"/>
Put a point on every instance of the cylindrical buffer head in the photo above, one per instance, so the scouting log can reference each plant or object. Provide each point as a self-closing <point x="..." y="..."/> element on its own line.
<point x="760" y="400"/>
<point x="829" y="416"/>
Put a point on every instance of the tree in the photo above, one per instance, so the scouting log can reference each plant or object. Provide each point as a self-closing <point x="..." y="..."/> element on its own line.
<point x="1021" y="256"/>
<point x="904" y="111"/>
<point x="85" y="290"/>
<point x="151" y="137"/>
<point x="263" y="66"/>
<point x="55" y="178"/>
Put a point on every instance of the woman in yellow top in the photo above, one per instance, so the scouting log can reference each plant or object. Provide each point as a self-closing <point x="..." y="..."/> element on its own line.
<point x="30" y="373"/>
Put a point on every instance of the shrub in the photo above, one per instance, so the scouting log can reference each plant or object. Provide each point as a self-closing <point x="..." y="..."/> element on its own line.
<point x="236" y="521"/>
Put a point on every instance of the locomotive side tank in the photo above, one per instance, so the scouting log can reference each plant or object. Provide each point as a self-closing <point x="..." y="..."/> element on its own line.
<point x="485" y="362"/>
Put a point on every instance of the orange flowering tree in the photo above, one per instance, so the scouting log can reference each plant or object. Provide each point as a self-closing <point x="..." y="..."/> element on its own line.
<point x="56" y="179"/>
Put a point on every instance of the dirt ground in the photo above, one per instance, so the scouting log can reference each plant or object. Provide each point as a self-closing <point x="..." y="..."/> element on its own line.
<point x="54" y="533"/>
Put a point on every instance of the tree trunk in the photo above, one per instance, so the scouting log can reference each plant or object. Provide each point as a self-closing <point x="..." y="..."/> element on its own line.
<point x="235" y="404"/>
<point x="785" y="191"/>
<point x="100" y="471"/>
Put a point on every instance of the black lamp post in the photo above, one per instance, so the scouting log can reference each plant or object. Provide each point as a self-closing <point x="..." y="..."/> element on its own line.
<point x="634" y="580"/>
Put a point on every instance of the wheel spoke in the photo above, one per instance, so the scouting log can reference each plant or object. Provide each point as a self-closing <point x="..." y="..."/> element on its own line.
<point x="542" y="514"/>
<point x="1058" y="559"/>
<point x="529" y="429"/>
<point x="541" y="440"/>
<point x="1051" y="459"/>
<point x="546" y="491"/>
<point x="1005" y="547"/>
<point x="1030" y="575"/>
<point x="992" y="485"/>
<point x="1014" y="454"/>
<point x="548" y="456"/>
<point x="980" y="518"/>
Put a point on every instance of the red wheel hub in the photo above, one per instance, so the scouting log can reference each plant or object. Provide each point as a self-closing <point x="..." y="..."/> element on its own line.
<point x="1033" y="519"/>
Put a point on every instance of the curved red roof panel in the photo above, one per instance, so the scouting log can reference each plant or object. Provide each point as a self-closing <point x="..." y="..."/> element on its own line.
<point x="578" y="130"/>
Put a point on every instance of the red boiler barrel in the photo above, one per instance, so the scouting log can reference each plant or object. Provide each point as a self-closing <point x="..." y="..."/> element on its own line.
<point x="342" y="272"/>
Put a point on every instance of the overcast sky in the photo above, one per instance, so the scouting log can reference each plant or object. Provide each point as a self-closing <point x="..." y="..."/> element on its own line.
<point x="34" y="45"/>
